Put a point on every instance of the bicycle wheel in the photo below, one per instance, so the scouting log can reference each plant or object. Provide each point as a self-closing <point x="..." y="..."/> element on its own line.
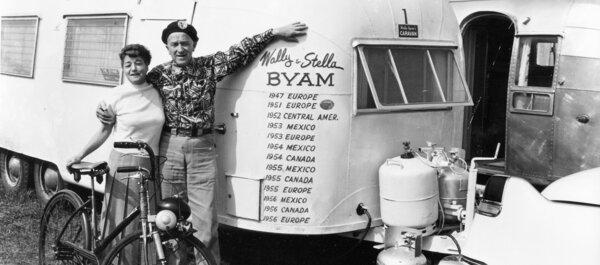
<point x="129" y="251"/>
<point x="57" y="212"/>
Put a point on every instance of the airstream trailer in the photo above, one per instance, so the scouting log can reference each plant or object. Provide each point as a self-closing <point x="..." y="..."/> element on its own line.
<point x="531" y="69"/>
<point x="310" y="123"/>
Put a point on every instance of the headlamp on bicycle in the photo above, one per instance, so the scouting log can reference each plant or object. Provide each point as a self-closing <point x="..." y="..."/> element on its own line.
<point x="166" y="220"/>
<point x="171" y="211"/>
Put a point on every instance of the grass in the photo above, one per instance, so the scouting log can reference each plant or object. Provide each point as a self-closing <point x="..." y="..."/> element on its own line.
<point x="19" y="227"/>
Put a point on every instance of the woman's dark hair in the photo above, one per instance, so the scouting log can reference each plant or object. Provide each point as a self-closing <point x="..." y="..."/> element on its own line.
<point x="135" y="50"/>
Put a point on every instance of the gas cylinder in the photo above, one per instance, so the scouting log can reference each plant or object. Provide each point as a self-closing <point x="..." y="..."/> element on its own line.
<point x="453" y="179"/>
<point x="409" y="192"/>
<point x="400" y="255"/>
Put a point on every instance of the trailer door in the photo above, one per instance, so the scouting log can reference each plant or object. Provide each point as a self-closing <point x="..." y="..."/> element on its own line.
<point x="530" y="120"/>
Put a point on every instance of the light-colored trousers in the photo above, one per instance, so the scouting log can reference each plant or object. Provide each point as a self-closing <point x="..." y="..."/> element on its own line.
<point x="190" y="170"/>
<point x="122" y="196"/>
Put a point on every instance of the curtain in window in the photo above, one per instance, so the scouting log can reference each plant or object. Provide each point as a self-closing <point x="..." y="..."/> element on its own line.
<point x="92" y="50"/>
<point x="18" y="46"/>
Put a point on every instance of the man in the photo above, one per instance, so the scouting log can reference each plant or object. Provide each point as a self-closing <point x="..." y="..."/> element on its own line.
<point x="187" y="86"/>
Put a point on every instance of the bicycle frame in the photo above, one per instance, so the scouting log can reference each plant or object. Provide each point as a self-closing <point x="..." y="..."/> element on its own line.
<point x="98" y="246"/>
<point x="149" y="232"/>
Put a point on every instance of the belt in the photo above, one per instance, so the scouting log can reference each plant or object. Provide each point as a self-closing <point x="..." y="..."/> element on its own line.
<point x="191" y="132"/>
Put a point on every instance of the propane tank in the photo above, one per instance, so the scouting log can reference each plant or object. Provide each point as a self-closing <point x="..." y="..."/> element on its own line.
<point x="453" y="179"/>
<point x="409" y="191"/>
<point x="400" y="255"/>
<point x="406" y="251"/>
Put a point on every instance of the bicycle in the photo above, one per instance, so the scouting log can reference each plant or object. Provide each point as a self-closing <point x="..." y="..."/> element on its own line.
<point x="69" y="229"/>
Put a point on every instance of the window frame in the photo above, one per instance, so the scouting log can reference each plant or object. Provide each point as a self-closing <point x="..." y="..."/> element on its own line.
<point x="519" y="59"/>
<point x="34" y="48"/>
<point x="533" y="90"/>
<point x="358" y="57"/>
<point x="548" y="112"/>
<point x="68" y="17"/>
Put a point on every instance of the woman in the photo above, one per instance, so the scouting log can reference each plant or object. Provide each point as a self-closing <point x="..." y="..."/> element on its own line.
<point x="139" y="117"/>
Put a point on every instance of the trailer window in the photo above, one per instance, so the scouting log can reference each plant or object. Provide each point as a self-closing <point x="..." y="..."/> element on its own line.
<point x="532" y="102"/>
<point x="19" y="40"/>
<point x="395" y="78"/>
<point x="535" y="64"/>
<point x="92" y="49"/>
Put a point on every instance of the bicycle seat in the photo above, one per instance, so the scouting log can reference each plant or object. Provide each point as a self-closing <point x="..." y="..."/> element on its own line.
<point x="88" y="167"/>
<point x="95" y="169"/>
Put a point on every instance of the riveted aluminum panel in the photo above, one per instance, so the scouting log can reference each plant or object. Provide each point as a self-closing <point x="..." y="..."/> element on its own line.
<point x="530" y="146"/>
<point x="576" y="141"/>
<point x="579" y="72"/>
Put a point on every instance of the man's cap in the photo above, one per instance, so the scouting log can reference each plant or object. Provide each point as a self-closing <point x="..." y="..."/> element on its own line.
<point x="179" y="26"/>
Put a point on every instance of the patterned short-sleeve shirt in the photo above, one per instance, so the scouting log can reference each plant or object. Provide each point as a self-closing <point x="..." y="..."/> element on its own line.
<point x="188" y="92"/>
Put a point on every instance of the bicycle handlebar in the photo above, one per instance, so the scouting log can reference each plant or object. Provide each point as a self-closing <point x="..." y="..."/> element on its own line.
<point x="129" y="169"/>
<point x="140" y="145"/>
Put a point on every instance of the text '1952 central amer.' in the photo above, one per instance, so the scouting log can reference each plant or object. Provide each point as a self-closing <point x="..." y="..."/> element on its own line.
<point x="309" y="123"/>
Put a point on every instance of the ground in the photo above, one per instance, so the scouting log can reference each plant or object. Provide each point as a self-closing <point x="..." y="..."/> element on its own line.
<point x="19" y="220"/>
